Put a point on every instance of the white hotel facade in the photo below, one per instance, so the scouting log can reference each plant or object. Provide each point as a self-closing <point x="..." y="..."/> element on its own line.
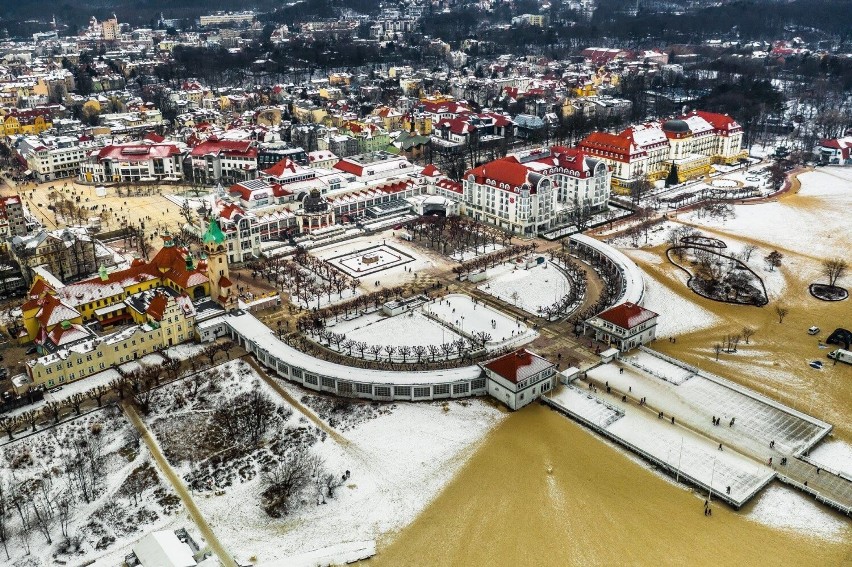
<point x="536" y="191"/>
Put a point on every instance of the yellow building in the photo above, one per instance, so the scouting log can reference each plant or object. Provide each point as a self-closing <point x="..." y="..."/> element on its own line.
<point x="24" y="122"/>
<point x="102" y="298"/>
<point x="91" y="356"/>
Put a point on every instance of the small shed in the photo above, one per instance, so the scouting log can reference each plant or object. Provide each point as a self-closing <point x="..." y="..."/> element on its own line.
<point x="609" y="355"/>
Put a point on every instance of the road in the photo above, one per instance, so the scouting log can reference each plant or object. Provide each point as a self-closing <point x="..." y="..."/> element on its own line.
<point x="178" y="485"/>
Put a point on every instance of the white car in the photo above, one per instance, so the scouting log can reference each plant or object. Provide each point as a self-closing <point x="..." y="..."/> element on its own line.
<point x="813" y="330"/>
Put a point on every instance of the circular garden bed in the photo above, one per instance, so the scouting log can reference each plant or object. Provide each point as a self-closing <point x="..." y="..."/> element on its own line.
<point x="828" y="292"/>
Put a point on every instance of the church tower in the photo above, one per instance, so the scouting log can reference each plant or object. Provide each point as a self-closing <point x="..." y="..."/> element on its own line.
<point x="221" y="289"/>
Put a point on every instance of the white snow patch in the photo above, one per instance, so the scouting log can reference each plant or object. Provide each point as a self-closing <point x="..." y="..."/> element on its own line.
<point x="784" y="508"/>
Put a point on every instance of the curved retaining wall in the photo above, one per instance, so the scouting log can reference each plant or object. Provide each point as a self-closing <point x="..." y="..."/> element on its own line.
<point x="632" y="282"/>
<point x="323" y="376"/>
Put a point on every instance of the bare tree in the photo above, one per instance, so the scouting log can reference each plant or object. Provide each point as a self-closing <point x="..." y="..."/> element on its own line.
<point x="748" y="250"/>
<point x="76" y="400"/>
<point x="97" y="393"/>
<point x="4" y="526"/>
<point x="747" y="332"/>
<point x="782" y="312"/>
<point x="31" y="417"/>
<point x="53" y="409"/>
<point x="419" y="352"/>
<point x="390" y="349"/>
<point x="717" y="348"/>
<point x="834" y="269"/>
<point x="9" y="424"/>
<point x="284" y="480"/>
<point x="773" y="260"/>
<point x="404" y="352"/>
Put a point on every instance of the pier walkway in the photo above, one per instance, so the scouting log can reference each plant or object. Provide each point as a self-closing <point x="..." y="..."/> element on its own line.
<point x="752" y="428"/>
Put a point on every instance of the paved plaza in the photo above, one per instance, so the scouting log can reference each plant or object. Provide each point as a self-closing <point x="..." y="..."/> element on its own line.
<point x="371" y="260"/>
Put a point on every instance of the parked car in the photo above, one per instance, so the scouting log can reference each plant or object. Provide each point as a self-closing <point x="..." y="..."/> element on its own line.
<point x="816" y="364"/>
<point x="813" y="330"/>
<point x="32" y="350"/>
<point x="54" y="390"/>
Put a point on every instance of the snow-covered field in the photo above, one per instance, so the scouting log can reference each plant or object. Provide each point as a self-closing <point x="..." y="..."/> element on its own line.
<point x="529" y="289"/>
<point x="809" y="230"/>
<point x="398" y="459"/>
<point x="470" y="253"/>
<point x="474" y="317"/>
<point x="124" y="496"/>
<point x="415" y="328"/>
<point x="411" y="329"/>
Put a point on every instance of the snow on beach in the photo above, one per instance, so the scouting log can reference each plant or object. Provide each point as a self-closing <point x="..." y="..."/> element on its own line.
<point x="783" y="508"/>
<point x="808" y="230"/>
<point x="679" y="314"/>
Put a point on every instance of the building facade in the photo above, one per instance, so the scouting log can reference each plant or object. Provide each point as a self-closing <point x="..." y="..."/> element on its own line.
<point x="518" y="378"/>
<point x="625" y="326"/>
<point x="676" y="150"/>
<point x="536" y="191"/>
<point x="133" y="163"/>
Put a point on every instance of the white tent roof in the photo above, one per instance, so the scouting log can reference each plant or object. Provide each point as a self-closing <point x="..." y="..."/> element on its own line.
<point x="163" y="549"/>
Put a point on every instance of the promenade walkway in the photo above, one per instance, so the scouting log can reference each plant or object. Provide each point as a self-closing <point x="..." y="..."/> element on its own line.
<point x="750" y="425"/>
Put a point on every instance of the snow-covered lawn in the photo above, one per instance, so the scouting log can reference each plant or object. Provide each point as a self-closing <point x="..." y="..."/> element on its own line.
<point x="411" y="329"/>
<point x="399" y="458"/>
<point x="108" y="517"/>
<point x="473" y="317"/>
<point x="470" y="253"/>
<point x="529" y="289"/>
<point x="461" y="315"/>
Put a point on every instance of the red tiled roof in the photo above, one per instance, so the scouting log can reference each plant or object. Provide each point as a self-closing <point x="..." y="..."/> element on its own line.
<point x="157" y="307"/>
<point x="349" y="167"/>
<point x="153" y="137"/>
<point x="718" y="121"/>
<point x="225" y="282"/>
<point x="431" y="171"/>
<point x="227" y="147"/>
<point x="282" y="166"/>
<point x="504" y="170"/>
<point x="607" y="142"/>
<point x="138" y="152"/>
<point x="517" y="366"/>
<point x="627" y="315"/>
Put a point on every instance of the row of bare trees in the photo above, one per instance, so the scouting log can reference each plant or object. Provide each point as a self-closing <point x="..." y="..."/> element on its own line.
<point x="306" y="277"/>
<point x="575" y="292"/>
<point x="457" y="234"/>
<point x="494" y="258"/>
